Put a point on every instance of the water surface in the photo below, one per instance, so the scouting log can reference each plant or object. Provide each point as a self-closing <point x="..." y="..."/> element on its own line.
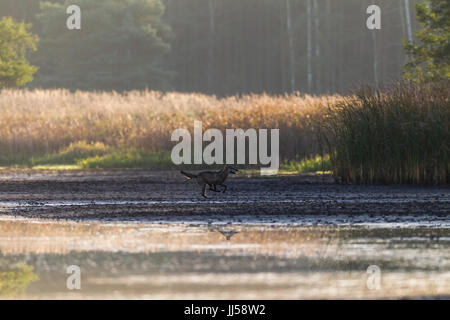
<point x="228" y="258"/>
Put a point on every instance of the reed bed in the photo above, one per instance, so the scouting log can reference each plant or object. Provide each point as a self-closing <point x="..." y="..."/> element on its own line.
<point x="40" y="122"/>
<point x="399" y="134"/>
<point x="396" y="135"/>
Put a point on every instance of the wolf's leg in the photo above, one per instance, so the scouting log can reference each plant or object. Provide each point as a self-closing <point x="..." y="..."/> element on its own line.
<point x="213" y="187"/>
<point x="204" y="190"/>
<point x="224" y="188"/>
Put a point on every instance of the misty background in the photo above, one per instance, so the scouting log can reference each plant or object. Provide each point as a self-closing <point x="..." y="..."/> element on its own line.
<point x="220" y="47"/>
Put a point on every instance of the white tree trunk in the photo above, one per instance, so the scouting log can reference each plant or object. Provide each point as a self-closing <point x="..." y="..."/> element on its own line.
<point x="309" y="45"/>
<point x="212" y="31"/>
<point x="291" y="44"/>
<point x="408" y="21"/>
<point x="317" y="44"/>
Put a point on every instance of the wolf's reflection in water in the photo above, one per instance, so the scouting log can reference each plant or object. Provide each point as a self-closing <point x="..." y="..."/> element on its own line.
<point x="225" y="231"/>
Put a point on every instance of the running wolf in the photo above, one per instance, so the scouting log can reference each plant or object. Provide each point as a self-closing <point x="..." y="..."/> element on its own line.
<point x="211" y="178"/>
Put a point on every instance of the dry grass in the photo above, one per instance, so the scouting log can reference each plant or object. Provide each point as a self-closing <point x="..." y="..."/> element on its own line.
<point x="39" y="122"/>
<point x="396" y="135"/>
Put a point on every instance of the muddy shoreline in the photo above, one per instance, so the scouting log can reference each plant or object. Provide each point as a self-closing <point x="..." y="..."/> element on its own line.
<point x="150" y="235"/>
<point x="150" y="195"/>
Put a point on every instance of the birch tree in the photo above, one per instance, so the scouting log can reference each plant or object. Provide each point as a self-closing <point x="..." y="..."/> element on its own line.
<point x="291" y="44"/>
<point x="309" y="45"/>
<point x="408" y="21"/>
<point x="317" y="38"/>
<point x="212" y="32"/>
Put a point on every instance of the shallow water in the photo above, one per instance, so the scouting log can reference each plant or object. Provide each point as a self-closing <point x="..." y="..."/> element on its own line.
<point x="228" y="258"/>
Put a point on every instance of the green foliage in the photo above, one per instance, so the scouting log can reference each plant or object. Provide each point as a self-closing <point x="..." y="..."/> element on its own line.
<point x="312" y="164"/>
<point x="74" y="153"/>
<point x="430" y="60"/>
<point x="95" y="155"/>
<point x="15" y="42"/>
<point x="129" y="158"/>
<point x="217" y="47"/>
<point x="398" y="135"/>
<point x="15" y="279"/>
<point x="120" y="46"/>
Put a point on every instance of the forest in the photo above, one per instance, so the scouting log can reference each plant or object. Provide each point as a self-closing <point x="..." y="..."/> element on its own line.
<point x="216" y="46"/>
<point x="366" y="104"/>
<point x="224" y="149"/>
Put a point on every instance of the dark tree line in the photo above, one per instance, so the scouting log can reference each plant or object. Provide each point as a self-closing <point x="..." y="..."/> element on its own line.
<point x="218" y="46"/>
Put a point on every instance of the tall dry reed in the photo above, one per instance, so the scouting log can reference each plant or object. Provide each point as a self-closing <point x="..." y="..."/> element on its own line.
<point x="43" y="121"/>
<point x="398" y="134"/>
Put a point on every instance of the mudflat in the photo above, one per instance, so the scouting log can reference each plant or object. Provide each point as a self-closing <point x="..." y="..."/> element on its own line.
<point x="150" y="195"/>
<point x="151" y="235"/>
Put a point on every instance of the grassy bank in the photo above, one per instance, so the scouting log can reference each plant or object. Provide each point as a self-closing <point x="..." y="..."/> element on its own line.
<point x="47" y="121"/>
<point x="396" y="135"/>
<point x="82" y="155"/>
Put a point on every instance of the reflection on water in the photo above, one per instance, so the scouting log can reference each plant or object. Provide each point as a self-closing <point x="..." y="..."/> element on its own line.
<point x="226" y="261"/>
<point x="225" y="231"/>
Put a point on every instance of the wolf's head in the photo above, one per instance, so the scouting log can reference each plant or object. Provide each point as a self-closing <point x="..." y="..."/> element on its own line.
<point x="229" y="169"/>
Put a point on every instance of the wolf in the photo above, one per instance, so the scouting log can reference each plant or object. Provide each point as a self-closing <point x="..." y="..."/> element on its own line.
<point x="211" y="178"/>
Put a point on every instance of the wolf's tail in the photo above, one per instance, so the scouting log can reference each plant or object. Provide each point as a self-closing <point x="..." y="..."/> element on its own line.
<point x="189" y="175"/>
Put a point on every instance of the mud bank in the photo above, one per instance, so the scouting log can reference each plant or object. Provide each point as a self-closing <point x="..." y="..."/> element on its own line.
<point x="166" y="196"/>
